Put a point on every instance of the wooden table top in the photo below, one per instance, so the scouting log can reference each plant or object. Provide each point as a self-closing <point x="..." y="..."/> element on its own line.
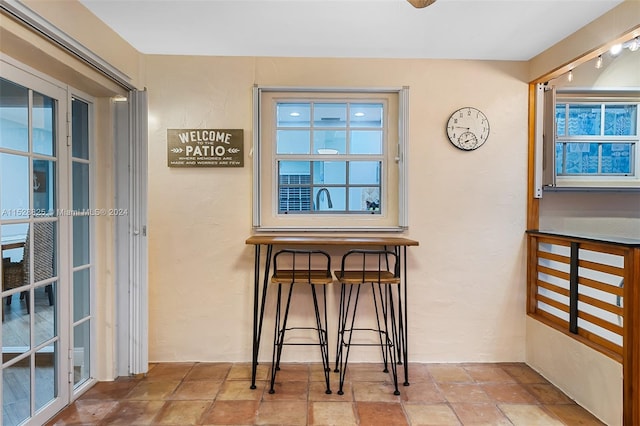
<point x="327" y="240"/>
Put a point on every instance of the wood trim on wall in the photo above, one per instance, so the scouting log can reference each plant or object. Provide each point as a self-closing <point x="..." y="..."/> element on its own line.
<point x="631" y="363"/>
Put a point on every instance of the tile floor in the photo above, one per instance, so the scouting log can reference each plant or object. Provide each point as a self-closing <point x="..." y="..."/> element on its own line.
<point x="218" y="394"/>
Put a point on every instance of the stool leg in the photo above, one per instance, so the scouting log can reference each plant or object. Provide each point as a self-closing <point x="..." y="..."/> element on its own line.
<point x="393" y="343"/>
<point x="280" y="334"/>
<point x="388" y="313"/>
<point x="276" y="338"/>
<point x="344" y="356"/>
<point x="322" y="334"/>
<point x="341" y="323"/>
<point x="375" y="306"/>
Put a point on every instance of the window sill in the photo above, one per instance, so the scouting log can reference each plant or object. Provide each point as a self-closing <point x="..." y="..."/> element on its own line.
<point x="331" y="229"/>
<point x="583" y="187"/>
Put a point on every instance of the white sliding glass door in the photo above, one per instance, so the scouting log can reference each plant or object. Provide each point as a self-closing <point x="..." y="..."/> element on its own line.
<point x="46" y="259"/>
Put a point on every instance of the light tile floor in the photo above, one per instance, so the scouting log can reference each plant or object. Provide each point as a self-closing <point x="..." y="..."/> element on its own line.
<point x="219" y="394"/>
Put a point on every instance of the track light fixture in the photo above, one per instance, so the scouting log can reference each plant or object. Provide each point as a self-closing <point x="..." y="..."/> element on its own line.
<point x="633" y="45"/>
<point x="599" y="62"/>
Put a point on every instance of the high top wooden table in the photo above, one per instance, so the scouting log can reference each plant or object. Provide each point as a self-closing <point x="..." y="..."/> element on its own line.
<point x="397" y="244"/>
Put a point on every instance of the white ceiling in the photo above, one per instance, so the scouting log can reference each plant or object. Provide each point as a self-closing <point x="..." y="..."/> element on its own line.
<point x="448" y="29"/>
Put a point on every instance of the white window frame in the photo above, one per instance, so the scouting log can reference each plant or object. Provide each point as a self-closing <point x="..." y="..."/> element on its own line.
<point x="601" y="102"/>
<point x="546" y="139"/>
<point x="265" y="194"/>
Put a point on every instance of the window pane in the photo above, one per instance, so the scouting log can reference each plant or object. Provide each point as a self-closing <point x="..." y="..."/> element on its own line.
<point x="81" y="352"/>
<point x="584" y="120"/>
<point x="366" y="142"/>
<point x="45" y="362"/>
<point x="366" y="115"/>
<point x="81" y="248"/>
<point x="330" y="172"/>
<point x="44" y="250"/>
<point x="294" y="199"/>
<point x="295" y="172"/>
<point x="14" y="116"/>
<point x="44" y="319"/>
<point x="364" y="172"/>
<point x="13" y="238"/>
<point x="14" y="186"/>
<point x="364" y="199"/>
<point x="559" y="157"/>
<point x="616" y="158"/>
<point x="293" y="141"/>
<point x="582" y="158"/>
<point x="18" y="399"/>
<point x="293" y="114"/>
<point x="44" y="196"/>
<point x="80" y="130"/>
<point x="80" y="185"/>
<point x="43" y="122"/>
<point x="560" y="119"/>
<point x="620" y="120"/>
<point x="330" y="142"/>
<point x="81" y="295"/>
<point x="330" y="115"/>
<point x="294" y="186"/>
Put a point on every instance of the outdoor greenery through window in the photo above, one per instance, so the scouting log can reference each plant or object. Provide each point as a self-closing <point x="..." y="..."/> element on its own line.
<point x="596" y="138"/>
<point x="329" y="157"/>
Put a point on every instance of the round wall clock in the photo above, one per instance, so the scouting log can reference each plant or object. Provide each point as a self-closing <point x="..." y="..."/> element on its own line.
<point x="468" y="128"/>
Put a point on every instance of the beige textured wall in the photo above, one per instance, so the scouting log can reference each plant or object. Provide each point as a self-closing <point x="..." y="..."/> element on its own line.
<point x="593" y="380"/>
<point x="467" y="209"/>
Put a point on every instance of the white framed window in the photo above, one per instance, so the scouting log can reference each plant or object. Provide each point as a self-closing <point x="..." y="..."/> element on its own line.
<point x="327" y="159"/>
<point x="595" y="139"/>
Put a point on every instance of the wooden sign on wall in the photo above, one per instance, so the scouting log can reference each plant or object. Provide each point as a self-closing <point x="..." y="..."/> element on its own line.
<point x="205" y="147"/>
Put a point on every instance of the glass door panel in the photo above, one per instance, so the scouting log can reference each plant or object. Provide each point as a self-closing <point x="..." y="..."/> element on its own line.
<point x="16" y="389"/>
<point x="43" y="124"/>
<point x="82" y="267"/>
<point x="14" y="116"/>
<point x="30" y="176"/>
<point x="45" y="383"/>
<point x="14" y="186"/>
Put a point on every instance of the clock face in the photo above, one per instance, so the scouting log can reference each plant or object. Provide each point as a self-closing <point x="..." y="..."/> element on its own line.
<point x="468" y="128"/>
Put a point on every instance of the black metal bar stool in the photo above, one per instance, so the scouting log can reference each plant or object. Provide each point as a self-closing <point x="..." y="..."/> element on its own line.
<point x="312" y="267"/>
<point x="379" y="268"/>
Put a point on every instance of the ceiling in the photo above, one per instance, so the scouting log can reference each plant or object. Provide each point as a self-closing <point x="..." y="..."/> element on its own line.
<point x="448" y="29"/>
